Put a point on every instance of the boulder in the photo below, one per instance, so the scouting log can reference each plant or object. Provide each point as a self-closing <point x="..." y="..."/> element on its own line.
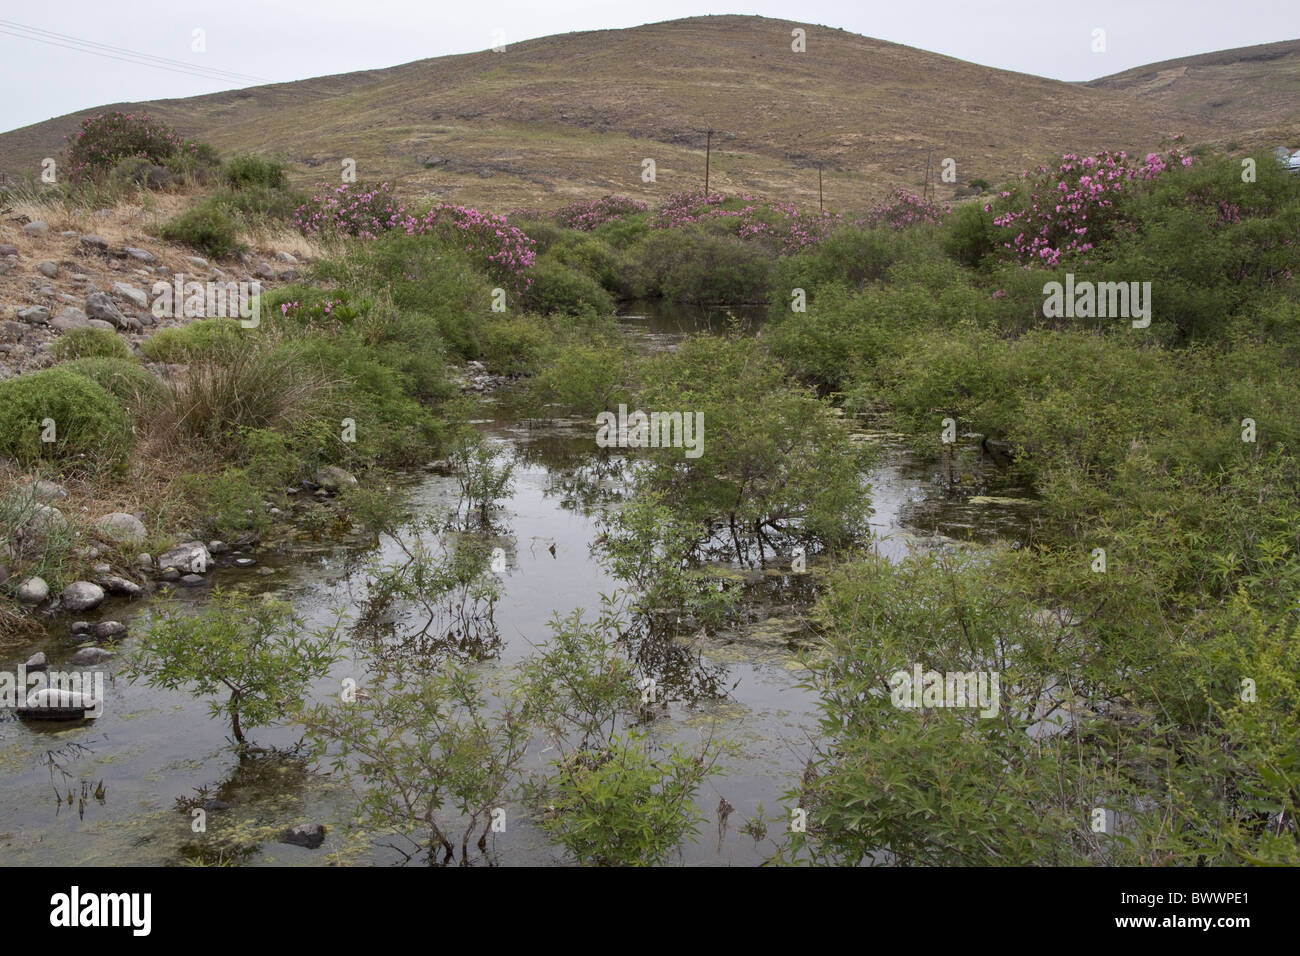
<point x="100" y="306"/>
<point x="37" y="228"/>
<point x="192" y="557"/>
<point x="334" y="479"/>
<point x="82" y="596"/>
<point x="108" y="630"/>
<point x="42" y="523"/>
<point x="33" y="591"/>
<point x="52" y="703"/>
<point x="142" y="255"/>
<point x="36" y="315"/>
<point x="69" y="318"/>
<point x="117" y="585"/>
<point x="37" y="662"/>
<point x="192" y="580"/>
<point x="121" y="528"/>
<point x="42" y="490"/>
<point x="48" y="269"/>
<point x="309" y="835"/>
<point x="89" y="656"/>
<point x="136" y="296"/>
<point x="8" y="250"/>
<point x="92" y="241"/>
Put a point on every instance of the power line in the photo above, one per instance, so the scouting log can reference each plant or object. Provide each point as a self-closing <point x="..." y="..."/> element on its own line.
<point x="120" y="53"/>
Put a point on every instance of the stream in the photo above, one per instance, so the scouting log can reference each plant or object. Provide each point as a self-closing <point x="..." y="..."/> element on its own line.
<point x="158" y="752"/>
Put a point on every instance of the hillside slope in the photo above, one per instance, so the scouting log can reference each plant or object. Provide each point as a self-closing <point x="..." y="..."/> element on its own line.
<point x="1250" y="94"/>
<point x="574" y="115"/>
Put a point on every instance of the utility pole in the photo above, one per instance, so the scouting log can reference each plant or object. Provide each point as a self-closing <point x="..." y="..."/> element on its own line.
<point x="708" y="149"/>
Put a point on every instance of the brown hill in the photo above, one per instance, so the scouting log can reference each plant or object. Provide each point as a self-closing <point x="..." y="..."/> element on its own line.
<point x="1248" y="95"/>
<point x="574" y="115"/>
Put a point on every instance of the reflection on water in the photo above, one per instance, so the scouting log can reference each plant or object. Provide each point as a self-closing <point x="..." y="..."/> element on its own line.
<point x="160" y="756"/>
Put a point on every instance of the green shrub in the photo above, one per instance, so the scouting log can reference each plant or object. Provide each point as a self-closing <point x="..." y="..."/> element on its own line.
<point x="557" y="288"/>
<point x="90" y="343"/>
<point x="694" y="265"/>
<point x="255" y="205"/>
<point x="131" y="384"/>
<point x="207" y="228"/>
<point x="198" y="339"/>
<point x="252" y="170"/>
<point x="969" y="235"/>
<point x="81" y="416"/>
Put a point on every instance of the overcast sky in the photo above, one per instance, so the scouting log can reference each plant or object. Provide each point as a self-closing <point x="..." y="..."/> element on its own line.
<point x="276" y="40"/>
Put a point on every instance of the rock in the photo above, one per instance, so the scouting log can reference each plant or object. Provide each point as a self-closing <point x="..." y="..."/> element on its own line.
<point x="119" y="585"/>
<point x="100" y="306"/>
<point x="334" y="479"/>
<point x="216" y="805"/>
<point x="8" y="250"/>
<point x="37" y="662"/>
<point x="36" y="314"/>
<point x="121" y="528"/>
<point x="53" y="703"/>
<point x="79" y="628"/>
<point x="43" y="522"/>
<point x="33" y="591"/>
<point x="1003" y="453"/>
<point x="48" y="269"/>
<point x="244" y="562"/>
<point x="92" y="241"/>
<point x="286" y="257"/>
<point x="141" y="254"/>
<point x="144" y="560"/>
<point x="218" y="547"/>
<point x="170" y="574"/>
<point x="42" y="490"/>
<point x="82" y="596"/>
<point x="309" y="835"/>
<point x="69" y="318"/>
<point x="108" y="630"/>
<point x="90" y="655"/>
<point x="101" y="324"/>
<point x="13" y="331"/>
<point x="191" y="557"/>
<point x="37" y="228"/>
<point x="197" y="261"/>
<point x="289" y="275"/>
<point x="264" y="271"/>
<point x="137" y="297"/>
<point x="192" y="580"/>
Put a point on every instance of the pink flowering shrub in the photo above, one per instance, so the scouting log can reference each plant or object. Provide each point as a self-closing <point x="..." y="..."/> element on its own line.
<point x="106" y="139"/>
<point x="780" y="225"/>
<point x="1073" y="207"/>
<point x="902" y="209"/>
<point x="586" y="216"/>
<point x="504" y="251"/>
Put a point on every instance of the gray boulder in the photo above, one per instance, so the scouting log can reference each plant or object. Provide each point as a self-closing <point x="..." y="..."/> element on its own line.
<point x="121" y="528"/>
<point x="48" y="269"/>
<point x="82" y="596"/>
<point x="136" y="296"/>
<point x="192" y="557"/>
<point x="37" y="228"/>
<point x="90" y="655"/>
<point x="33" y="591"/>
<point x="334" y="479"/>
<point x="100" y="306"/>
<point x="69" y="318"/>
<point x="36" y="314"/>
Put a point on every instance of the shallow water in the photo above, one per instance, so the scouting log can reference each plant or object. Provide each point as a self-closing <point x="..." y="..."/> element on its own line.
<point x="152" y="748"/>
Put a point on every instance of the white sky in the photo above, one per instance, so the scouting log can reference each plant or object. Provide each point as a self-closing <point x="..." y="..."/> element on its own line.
<point x="294" y="39"/>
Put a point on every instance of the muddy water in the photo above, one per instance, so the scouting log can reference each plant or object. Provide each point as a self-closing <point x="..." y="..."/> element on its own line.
<point x="159" y="753"/>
